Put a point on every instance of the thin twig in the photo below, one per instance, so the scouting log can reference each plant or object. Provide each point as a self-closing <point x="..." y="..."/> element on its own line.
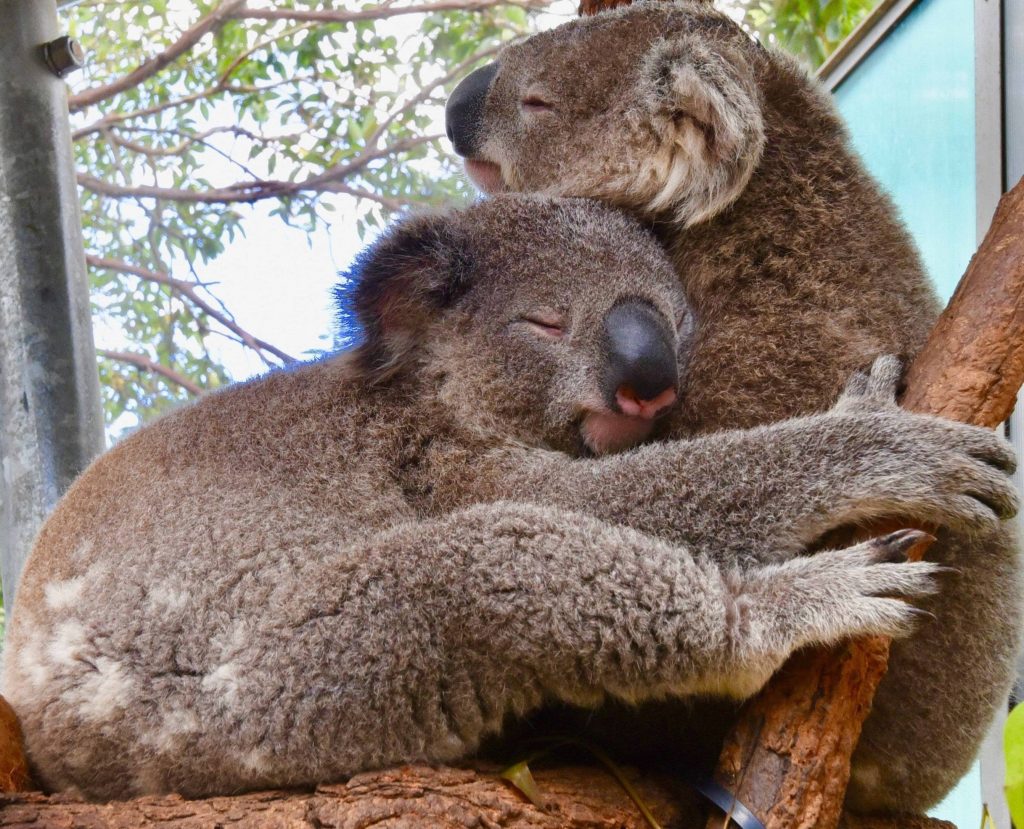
<point x="147" y="364"/>
<point x="187" y="290"/>
<point x="189" y="38"/>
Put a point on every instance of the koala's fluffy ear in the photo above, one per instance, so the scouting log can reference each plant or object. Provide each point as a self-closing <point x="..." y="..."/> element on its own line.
<point x="705" y="103"/>
<point x="397" y="287"/>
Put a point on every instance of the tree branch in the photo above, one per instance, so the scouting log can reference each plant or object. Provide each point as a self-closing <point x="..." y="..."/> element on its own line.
<point x="189" y="38"/>
<point x="574" y="797"/>
<point x="146" y="364"/>
<point x="112" y="118"/>
<point x="383" y="12"/>
<point x="187" y="290"/>
<point x="247" y="192"/>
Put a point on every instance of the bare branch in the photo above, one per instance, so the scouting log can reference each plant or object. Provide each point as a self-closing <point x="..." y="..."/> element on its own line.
<point x="382" y="12"/>
<point x="248" y="192"/>
<point x="189" y="38"/>
<point x="146" y="364"/>
<point x="187" y="290"/>
<point x="176" y="149"/>
<point x="113" y="118"/>
<point x="395" y="205"/>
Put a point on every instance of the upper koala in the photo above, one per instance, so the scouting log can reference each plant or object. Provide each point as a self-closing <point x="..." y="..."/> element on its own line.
<point x="377" y="558"/>
<point x="795" y="263"/>
<point x="682" y="87"/>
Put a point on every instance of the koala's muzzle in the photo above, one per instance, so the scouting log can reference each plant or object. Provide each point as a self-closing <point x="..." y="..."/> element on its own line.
<point x="641" y="377"/>
<point x="465" y="108"/>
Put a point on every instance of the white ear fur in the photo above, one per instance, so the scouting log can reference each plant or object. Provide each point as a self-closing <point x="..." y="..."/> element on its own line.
<point x="705" y="105"/>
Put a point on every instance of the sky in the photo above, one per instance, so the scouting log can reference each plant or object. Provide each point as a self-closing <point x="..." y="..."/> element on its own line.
<point x="277" y="281"/>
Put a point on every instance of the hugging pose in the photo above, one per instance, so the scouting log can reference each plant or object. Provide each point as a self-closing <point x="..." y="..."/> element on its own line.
<point x="574" y="460"/>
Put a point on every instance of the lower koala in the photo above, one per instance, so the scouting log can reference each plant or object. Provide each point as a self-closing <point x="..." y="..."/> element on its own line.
<point x="381" y="557"/>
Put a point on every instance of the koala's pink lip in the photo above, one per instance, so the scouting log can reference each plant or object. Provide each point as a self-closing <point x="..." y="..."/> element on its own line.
<point x="606" y="431"/>
<point x="486" y="175"/>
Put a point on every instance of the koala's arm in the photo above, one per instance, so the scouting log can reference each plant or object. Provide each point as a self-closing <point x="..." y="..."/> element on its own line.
<point x="418" y="642"/>
<point x="770" y="491"/>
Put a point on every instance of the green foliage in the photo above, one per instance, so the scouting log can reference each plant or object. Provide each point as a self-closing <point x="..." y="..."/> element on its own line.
<point x="810" y="29"/>
<point x="307" y="114"/>
<point x="1013" y="744"/>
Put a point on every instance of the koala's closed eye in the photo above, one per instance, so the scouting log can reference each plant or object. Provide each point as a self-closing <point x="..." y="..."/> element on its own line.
<point x="536" y="103"/>
<point x="548" y="324"/>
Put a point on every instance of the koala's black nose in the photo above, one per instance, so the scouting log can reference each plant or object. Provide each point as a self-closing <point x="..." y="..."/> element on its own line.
<point x="465" y="109"/>
<point x="641" y="377"/>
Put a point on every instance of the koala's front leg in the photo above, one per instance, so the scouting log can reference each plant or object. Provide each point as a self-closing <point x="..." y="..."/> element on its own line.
<point x="416" y="643"/>
<point x="766" y="493"/>
<point x="419" y="643"/>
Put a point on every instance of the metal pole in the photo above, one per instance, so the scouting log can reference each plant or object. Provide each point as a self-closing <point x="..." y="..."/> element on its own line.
<point x="50" y="419"/>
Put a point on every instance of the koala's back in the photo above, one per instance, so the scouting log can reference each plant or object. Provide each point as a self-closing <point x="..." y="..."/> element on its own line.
<point x="160" y="557"/>
<point x="806" y="278"/>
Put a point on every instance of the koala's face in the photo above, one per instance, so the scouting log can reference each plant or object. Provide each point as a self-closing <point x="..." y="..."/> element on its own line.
<point x="559" y="324"/>
<point x="654" y="108"/>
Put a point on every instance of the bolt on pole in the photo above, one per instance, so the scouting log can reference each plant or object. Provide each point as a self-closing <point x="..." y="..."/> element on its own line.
<point x="50" y="419"/>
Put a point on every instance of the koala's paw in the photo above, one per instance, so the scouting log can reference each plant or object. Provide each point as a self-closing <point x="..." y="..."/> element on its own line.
<point x="858" y="591"/>
<point x="927" y="469"/>
<point x="935" y="471"/>
<point x="874" y="391"/>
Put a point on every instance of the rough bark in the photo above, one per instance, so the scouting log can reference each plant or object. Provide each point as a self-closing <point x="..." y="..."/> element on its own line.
<point x="788" y="757"/>
<point x="973" y="363"/>
<point x="410" y="797"/>
<point x="14" y="776"/>
<point x="576" y="798"/>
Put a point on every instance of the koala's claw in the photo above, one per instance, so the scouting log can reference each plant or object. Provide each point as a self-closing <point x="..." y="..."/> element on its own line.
<point x="895" y="546"/>
<point x="857" y="591"/>
<point x="874" y="390"/>
<point x="992" y="449"/>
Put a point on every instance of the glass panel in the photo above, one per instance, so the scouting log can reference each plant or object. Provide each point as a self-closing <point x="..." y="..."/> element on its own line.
<point x="910" y="109"/>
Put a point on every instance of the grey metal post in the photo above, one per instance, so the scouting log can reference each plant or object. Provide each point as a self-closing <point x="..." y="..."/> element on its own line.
<point x="50" y="418"/>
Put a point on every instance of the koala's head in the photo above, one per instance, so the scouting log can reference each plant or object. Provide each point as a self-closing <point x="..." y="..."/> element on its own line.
<point x="654" y="107"/>
<point x="555" y="323"/>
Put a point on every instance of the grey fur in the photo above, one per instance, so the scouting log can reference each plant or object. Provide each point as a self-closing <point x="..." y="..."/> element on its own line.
<point x="799" y="273"/>
<point x="377" y="558"/>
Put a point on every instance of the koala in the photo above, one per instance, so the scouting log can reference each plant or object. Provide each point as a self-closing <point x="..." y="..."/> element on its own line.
<point x="798" y="272"/>
<point x="380" y="557"/>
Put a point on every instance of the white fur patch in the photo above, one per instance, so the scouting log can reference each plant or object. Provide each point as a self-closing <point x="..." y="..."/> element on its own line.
<point x="69" y="644"/>
<point x="177" y="725"/>
<point x="99" y="686"/>
<point x="223" y="681"/>
<point x="166" y="597"/>
<point x="64" y="594"/>
<point x="34" y="667"/>
<point x="106" y="691"/>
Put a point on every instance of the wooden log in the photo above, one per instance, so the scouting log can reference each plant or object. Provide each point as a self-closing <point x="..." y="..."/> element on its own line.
<point x="788" y="757"/>
<point x="411" y="796"/>
<point x="403" y="798"/>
